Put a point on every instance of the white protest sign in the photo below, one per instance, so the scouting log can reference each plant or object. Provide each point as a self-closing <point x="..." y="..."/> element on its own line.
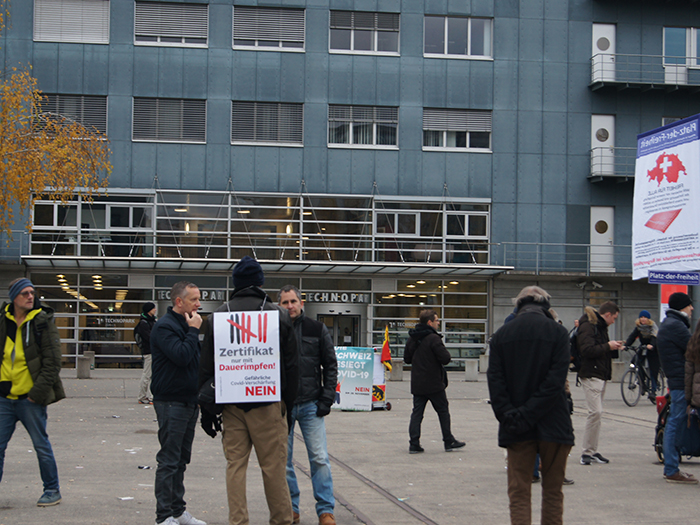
<point x="666" y="194"/>
<point x="247" y="356"/>
<point x="355" y="373"/>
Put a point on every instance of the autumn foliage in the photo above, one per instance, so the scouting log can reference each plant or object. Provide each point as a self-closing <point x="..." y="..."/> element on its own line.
<point x="42" y="155"/>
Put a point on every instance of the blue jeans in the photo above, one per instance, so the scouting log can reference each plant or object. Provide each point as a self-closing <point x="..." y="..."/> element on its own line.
<point x="33" y="417"/>
<point x="675" y="418"/>
<point x="176" y="424"/>
<point x="314" y="431"/>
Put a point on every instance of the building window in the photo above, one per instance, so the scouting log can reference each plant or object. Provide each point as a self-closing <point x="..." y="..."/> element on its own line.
<point x="681" y="46"/>
<point x="88" y="110"/>
<point x="363" y="125"/>
<point x="269" y="28"/>
<point x="169" y="120"/>
<point x="77" y="21"/>
<point x="166" y="24"/>
<point x="393" y="223"/>
<point x="457" y="129"/>
<point x="457" y="37"/>
<point x="362" y="32"/>
<point x="267" y="122"/>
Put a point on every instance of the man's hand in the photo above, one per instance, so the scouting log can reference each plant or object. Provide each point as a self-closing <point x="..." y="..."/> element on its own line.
<point x="322" y="410"/>
<point x="211" y="423"/>
<point x="615" y="345"/>
<point x="193" y="319"/>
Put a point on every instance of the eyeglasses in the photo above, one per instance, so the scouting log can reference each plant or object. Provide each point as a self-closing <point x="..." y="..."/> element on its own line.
<point x="28" y="293"/>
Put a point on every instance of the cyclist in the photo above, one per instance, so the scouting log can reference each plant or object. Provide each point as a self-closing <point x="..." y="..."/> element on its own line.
<point x="645" y="330"/>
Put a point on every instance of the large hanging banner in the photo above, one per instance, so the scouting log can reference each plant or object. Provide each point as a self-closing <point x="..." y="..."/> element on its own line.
<point x="247" y="356"/>
<point x="666" y="210"/>
<point x="355" y="377"/>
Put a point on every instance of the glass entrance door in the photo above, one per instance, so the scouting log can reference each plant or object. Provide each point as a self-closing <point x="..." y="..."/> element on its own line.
<point x="344" y="329"/>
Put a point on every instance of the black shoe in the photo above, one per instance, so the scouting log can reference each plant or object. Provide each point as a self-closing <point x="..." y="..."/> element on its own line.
<point x="568" y="481"/>
<point x="415" y="449"/>
<point x="586" y="459"/>
<point x="449" y="447"/>
<point x="535" y="479"/>
<point x="599" y="459"/>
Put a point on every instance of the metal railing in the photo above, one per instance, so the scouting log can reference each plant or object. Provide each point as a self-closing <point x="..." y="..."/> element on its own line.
<point x="613" y="162"/>
<point x="645" y="70"/>
<point x="555" y="257"/>
<point x="13" y="247"/>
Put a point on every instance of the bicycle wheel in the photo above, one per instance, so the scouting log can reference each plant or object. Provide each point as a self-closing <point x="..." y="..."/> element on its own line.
<point x="631" y="389"/>
<point x="659" y="445"/>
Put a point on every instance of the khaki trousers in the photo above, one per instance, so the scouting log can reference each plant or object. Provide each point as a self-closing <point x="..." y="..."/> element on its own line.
<point x="521" y="458"/>
<point x="594" y="389"/>
<point x="265" y="428"/>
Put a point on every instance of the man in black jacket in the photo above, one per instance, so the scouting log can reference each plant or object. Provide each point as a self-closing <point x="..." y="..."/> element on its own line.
<point x="671" y="341"/>
<point x="528" y="364"/>
<point x="142" y="336"/>
<point x="318" y="376"/>
<point x="175" y="352"/>
<point x="263" y="425"/>
<point x="427" y="355"/>
<point x="596" y="351"/>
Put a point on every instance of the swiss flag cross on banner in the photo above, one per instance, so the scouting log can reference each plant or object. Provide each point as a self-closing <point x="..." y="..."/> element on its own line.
<point x="668" y="166"/>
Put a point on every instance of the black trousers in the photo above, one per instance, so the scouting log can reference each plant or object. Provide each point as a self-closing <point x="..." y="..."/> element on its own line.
<point x="441" y="406"/>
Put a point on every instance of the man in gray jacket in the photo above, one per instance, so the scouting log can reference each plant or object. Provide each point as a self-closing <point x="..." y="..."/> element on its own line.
<point x="318" y="376"/>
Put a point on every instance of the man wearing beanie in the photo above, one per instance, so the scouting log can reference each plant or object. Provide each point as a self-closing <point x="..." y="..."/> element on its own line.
<point x="671" y="341"/>
<point x="142" y="336"/>
<point x="263" y="425"/>
<point x="29" y="379"/>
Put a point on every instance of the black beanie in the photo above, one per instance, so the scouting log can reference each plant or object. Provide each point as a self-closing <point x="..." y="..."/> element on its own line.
<point x="248" y="272"/>
<point x="678" y="301"/>
<point x="148" y="307"/>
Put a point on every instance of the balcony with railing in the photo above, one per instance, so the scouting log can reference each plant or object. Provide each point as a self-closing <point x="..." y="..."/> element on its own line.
<point x="644" y="72"/>
<point x="567" y="258"/>
<point x="612" y="163"/>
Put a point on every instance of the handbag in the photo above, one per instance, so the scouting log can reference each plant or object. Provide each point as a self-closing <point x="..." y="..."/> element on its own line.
<point x="688" y="436"/>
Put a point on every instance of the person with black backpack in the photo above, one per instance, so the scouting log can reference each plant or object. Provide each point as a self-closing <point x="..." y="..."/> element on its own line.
<point x="142" y="336"/>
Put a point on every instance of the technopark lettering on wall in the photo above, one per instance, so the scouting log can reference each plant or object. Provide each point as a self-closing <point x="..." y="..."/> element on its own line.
<point x="336" y="297"/>
<point x="666" y="214"/>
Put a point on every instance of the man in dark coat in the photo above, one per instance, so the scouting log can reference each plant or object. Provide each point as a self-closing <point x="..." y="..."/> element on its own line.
<point x="597" y="352"/>
<point x="528" y="364"/>
<point x="318" y="377"/>
<point x="175" y="350"/>
<point x="142" y="336"/>
<point x="263" y="425"/>
<point x="427" y="355"/>
<point x="671" y="341"/>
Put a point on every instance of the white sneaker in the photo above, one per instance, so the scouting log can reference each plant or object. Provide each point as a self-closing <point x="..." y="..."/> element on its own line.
<point x="169" y="521"/>
<point x="187" y="519"/>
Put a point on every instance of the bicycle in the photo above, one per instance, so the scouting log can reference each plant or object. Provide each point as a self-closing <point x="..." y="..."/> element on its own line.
<point x="636" y="381"/>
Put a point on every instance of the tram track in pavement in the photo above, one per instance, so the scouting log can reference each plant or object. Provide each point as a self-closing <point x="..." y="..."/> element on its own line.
<point x="378" y="489"/>
<point x="582" y="411"/>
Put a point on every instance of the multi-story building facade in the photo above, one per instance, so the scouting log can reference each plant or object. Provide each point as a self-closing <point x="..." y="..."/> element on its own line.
<point x="382" y="156"/>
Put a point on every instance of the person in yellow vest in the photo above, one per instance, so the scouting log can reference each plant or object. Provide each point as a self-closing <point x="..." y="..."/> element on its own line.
<point x="29" y="378"/>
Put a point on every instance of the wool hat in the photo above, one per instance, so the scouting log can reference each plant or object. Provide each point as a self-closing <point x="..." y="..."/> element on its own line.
<point x="148" y="307"/>
<point x="248" y="272"/>
<point x="679" y="300"/>
<point x="645" y="313"/>
<point x="20" y="285"/>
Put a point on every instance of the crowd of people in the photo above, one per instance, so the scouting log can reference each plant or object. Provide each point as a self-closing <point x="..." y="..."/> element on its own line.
<point x="529" y="361"/>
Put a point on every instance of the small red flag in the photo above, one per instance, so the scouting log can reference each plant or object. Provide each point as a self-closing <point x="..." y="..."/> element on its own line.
<point x="386" y="352"/>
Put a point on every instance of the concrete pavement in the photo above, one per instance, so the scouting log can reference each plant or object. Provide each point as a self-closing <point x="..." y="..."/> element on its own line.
<point x="102" y="438"/>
